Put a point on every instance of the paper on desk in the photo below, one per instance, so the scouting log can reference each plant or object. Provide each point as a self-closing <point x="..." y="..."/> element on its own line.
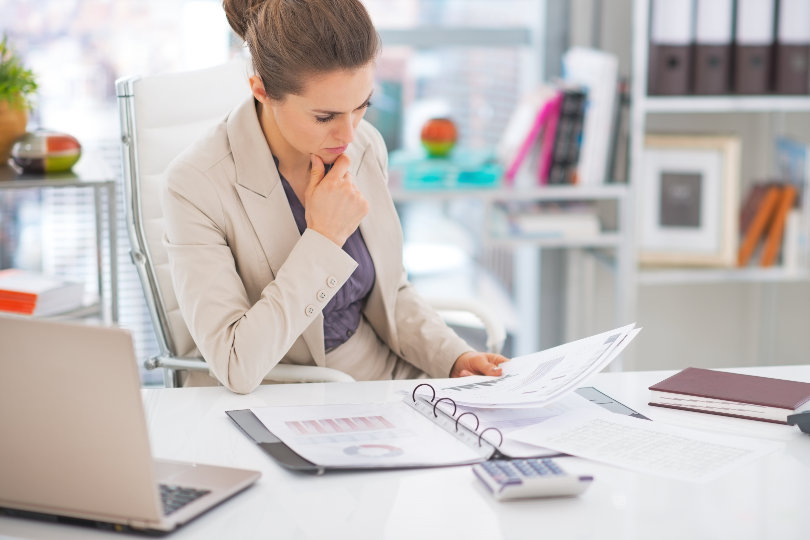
<point x="543" y="377"/>
<point x="367" y="435"/>
<point x="645" y="446"/>
<point x="509" y="421"/>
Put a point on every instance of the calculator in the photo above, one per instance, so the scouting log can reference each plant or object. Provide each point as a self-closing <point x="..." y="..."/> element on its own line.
<point x="529" y="478"/>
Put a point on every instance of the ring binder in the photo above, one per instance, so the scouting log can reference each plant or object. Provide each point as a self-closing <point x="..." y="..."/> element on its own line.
<point x="413" y="394"/>
<point x="480" y="435"/>
<point x="443" y="399"/>
<point x="456" y="418"/>
<point x="477" y="421"/>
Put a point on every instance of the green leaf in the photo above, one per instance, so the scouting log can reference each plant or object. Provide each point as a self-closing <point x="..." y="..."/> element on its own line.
<point x="17" y="84"/>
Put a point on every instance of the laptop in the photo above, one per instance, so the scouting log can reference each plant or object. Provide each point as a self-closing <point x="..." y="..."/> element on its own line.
<point x="74" y="439"/>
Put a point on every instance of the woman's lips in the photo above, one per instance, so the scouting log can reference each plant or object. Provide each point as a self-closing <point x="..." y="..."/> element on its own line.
<point x="337" y="149"/>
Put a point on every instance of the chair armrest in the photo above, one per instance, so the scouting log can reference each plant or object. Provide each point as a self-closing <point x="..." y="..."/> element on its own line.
<point x="291" y="373"/>
<point x="282" y="373"/>
<point x="495" y="330"/>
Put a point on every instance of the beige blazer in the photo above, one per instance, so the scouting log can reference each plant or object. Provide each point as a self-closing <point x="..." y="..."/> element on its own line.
<point x="251" y="288"/>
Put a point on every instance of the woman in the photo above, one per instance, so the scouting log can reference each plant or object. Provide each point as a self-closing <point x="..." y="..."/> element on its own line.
<point x="283" y="241"/>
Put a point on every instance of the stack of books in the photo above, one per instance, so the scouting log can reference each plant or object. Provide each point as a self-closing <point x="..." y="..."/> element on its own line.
<point x="563" y="131"/>
<point x="31" y="293"/>
<point x="762" y="221"/>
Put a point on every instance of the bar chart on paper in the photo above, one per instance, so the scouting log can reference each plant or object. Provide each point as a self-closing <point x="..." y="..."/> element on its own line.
<point x="346" y="430"/>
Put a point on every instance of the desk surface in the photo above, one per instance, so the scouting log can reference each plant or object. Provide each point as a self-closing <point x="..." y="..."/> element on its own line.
<point x="766" y="500"/>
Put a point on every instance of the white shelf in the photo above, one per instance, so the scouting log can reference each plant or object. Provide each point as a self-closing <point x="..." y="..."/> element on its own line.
<point x="681" y="276"/>
<point x="610" y="240"/>
<point x="549" y="193"/>
<point x="724" y="104"/>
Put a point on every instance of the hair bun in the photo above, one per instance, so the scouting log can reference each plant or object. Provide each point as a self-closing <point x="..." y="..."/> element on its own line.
<point x="240" y="14"/>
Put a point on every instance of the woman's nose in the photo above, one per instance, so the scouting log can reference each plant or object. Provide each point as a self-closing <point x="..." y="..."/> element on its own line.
<point x="345" y="131"/>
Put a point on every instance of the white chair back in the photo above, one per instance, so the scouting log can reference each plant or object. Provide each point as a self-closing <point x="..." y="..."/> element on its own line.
<point x="161" y="115"/>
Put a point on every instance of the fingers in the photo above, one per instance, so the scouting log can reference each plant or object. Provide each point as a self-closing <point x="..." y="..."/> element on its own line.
<point x="340" y="167"/>
<point x="487" y="364"/>
<point x="316" y="168"/>
<point x="315" y="174"/>
<point x="491" y="369"/>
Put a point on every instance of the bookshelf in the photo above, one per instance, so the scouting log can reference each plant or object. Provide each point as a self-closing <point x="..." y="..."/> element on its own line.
<point x="615" y="241"/>
<point x="683" y="296"/>
<point x="645" y="108"/>
<point x="723" y="104"/>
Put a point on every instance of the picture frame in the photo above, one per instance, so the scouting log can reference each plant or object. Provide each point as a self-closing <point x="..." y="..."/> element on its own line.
<point x="688" y="201"/>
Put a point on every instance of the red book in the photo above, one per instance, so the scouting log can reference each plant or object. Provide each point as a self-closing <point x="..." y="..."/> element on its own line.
<point x="732" y="394"/>
<point x="32" y="293"/>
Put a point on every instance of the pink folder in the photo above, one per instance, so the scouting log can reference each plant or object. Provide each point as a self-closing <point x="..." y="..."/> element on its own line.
<point x="540" y="121"/>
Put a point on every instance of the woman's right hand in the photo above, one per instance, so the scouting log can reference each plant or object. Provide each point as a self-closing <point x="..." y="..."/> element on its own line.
<point x="333" y="205"/>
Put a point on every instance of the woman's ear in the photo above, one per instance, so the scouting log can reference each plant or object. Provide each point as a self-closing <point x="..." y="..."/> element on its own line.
<point x="257" y="87"/>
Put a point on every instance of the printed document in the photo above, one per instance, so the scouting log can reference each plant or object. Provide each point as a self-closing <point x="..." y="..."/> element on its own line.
<point x="508" y="421"/>
<point x="368" y="435"/>
<point x="540" y="378"/>
<point x="645" y="446"/>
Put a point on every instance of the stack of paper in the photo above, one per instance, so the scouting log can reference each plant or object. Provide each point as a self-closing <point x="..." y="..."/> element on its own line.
<point x="538" y="379"/>
<point x="32" y="293"/>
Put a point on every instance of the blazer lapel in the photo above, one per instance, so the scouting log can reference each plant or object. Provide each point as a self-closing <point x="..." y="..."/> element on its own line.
<point x="265" y="203"/>
<point x="378" y="235"/>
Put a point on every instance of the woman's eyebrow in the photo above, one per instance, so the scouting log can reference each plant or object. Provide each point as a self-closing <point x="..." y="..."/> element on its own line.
<point x="322" y="111"/>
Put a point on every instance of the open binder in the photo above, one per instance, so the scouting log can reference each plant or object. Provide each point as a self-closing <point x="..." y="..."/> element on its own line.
<point x="425" y="429"/>
<point x="447" y="434"/>
<point x="422" y="430"/>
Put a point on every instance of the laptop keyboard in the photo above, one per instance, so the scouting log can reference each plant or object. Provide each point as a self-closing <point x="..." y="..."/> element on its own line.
<point x="176" y="497"/>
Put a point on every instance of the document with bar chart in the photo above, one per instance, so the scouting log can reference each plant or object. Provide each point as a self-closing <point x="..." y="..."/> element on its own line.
<point x="369" y="435"/>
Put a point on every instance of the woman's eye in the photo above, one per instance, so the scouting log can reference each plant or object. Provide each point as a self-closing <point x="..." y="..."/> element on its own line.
<point x="324" y="119"/>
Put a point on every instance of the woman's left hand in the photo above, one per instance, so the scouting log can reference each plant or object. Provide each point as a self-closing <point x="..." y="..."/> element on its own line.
<point x="477" y="363"/>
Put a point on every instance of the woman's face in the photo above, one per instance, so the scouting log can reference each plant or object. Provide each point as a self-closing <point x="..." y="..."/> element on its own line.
<point x="322" y="119"/>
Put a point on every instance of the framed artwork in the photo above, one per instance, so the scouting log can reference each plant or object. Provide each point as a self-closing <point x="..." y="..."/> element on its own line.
<point x="688" y="201"/>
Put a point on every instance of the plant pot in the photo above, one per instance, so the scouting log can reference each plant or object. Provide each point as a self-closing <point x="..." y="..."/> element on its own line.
<point x="12" y="126"/>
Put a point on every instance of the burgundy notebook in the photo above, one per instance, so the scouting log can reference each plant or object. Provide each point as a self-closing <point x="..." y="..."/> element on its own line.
<point x="732" y="394"/>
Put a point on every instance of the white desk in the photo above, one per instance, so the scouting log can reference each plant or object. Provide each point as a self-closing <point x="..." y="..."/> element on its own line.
<point x="767" y="500"/>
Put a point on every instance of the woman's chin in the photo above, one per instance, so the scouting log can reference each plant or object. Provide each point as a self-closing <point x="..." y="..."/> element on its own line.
<point x="327" y="158"/>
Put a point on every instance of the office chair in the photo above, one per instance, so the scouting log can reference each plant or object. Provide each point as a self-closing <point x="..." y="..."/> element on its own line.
<point x="160" y="116"/>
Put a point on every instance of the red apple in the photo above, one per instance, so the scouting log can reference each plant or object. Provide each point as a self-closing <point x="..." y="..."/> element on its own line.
<point x="439" y="136"/>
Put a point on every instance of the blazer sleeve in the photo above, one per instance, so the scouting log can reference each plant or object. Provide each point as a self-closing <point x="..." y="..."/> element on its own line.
<point x="241" y="340"/>
<point x="424" y="339"/>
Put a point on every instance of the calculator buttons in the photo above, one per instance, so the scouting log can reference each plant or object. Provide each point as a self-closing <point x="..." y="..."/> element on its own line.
<point x="527" y="478"/>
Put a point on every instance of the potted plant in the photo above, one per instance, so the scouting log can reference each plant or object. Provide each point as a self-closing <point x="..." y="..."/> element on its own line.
<point x="17" y="85"/>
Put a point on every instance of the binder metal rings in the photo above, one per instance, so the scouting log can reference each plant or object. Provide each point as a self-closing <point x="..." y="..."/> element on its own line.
<point x="444" y="399"/>
<point x="455" y="408"/>
<point x="493" y="429"/>
<point x="413" y="394"/>
<point x="477" y="421"/>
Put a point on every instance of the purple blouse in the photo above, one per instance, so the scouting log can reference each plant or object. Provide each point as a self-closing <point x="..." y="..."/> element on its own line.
<point x="342" y="314"/>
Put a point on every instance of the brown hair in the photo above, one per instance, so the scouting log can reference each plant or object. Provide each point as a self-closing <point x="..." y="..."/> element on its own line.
<point x="289" y="40"/>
